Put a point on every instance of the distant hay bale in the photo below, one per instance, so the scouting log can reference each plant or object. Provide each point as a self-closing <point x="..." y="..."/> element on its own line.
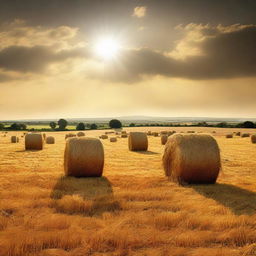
<point x="238" y="133"/>
<point x="123" y="132"/>
<point x="34" y="141"/>
<point x="110" y="132"/>
<point x="84" y="157"/>
<point x="155" y="134"/>
<point x="113" y="139"/>
<point x="104" y="136"/>
<point x="213" y="131"/>
<point x="164" y="139"/>
<point x="80" y="134"/>
<point x="192" y="158"/>
<point x="230" y="135"/>
<point x="253" y="138"/>
<point x="245" y="135"/>
<point x="190" y="131"/>
<point x="50" y="140"/>
<point x="69" y="135"/>
<point x="124" y="135"/>
<point x="149" y="133"/>
<point x="170" y="133"/>
<point x="164" y="132"/>
<point x="138" y="141"/>
<point x="14" y="139"/>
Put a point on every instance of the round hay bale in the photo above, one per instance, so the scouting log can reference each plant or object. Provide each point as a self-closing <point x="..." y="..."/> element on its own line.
<point x="138" y="141"/>
<point x="104" y="136"/>
<point x="14" y="139"/>
<point x="164" y="139"/>
<point x="230" y="135"/>
<point x="238" y="133"/>
<point x="80" y="134"/>
<point x="155" y="134"/>
<point x="190" y="131"/>
<point x="253" y="138"/>
<point x="84" y="157"/>
<point x="124" y="135"/>
<point x="163" y="132"/>
<point x="123" y="132"/>
<point x="50" y="140"/>
<point x="192" y="158"/>
<point x="113" y="139"/>
<point x="149" y="133"/>
<point x="170" y="133"/>
<point x="245" y="135"/>
<point x="69" y="135"/>
<point x="34" y="141"/>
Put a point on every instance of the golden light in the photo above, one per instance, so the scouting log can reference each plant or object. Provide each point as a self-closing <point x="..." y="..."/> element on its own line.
<point x="107" y="48"/>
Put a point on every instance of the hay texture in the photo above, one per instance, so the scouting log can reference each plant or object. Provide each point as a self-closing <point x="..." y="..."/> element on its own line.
<point x="34" y="141"/>
<point x="84" y="157"/>
<point x="50" y="140"/>
<point x="113" y="139"/>
<point x="229" y="136"/>
<point x="245" y="135"/>
<point x="253" y="138"/>
<point x="164" y="139"/>
<point x="138" y="141"/>
<point x="44" y="136"/>
<point x="80" y="134"/>
<point x="192" y="158"/>
<point x="14" y="139"/>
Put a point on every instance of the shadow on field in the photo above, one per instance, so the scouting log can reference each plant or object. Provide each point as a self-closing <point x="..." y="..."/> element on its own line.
<point x="238" y="200"/>
<point x="147" y="152"/>
<point x="87" y="196"/>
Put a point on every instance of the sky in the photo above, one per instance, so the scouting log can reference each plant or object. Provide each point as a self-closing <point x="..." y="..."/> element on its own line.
<point x="81" y="58"/>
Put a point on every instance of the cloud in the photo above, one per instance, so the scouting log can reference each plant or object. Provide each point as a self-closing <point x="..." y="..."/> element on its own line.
<point x="140" y="11"/>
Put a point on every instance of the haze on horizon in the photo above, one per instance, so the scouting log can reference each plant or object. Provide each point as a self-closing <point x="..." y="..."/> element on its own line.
<point x="61" y="58"/>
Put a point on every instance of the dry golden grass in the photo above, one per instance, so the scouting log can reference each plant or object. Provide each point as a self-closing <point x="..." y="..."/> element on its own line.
<point x="132" y="210"/>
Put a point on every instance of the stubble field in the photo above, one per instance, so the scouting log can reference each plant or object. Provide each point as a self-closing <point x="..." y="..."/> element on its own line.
<point x="132" y="210"/>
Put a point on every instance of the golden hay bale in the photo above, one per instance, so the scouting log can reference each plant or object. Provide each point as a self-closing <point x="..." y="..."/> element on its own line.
<point x="69" y="135"/>
<point x="124" y="135"/>
<point x="253" y="138"/>
<point x="245" y="135"/>
<point x="80" y="134"/>
<point x="113" y="139"/>
<point x="164" y="132"/>
<point x="149" y="133"/>
<point x="14" y="139"/>
<point x="138" y="141"/>
<point x="164" y="139"/>
<point x="50" y="140"/>
<point x="238" y="133"/>
<point x="190" y="131"/>
<point x="155" y="134"/>
<point x="169" y="133"/>
<point x="34" y="141"/>
<point x="83" y="157"/>
<point x="230" y="135"/>
<point x="104" y="136"/>
<point x="192" y="158"/>
<point x="123" y="132"/>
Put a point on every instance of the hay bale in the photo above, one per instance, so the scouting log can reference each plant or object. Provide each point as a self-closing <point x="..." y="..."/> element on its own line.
<point x="124" y="135"/>
<point x="238" y="133"/>
<point x="14" y="139"/>
<point x="113" y="139"/>
<point x="192" y="158"/>
<point x="230" y="135"/>
<point x="164" y="132"/>
<point x="104" y="136"/>
<point x="69" y="135"/>
<point x="80" y="134"/>
<point x="170" y="133"/>
<point x="149" y="133"/>
<point x="84" y="157"/>
<point x="138" y="141"/>
<point x="50" y="140"/>
<point x="34" y="141"/>
<point x="164" y="139"/>
<point x="155" y="134"/>
<point x="245" y="135"/>
<point x="190" y="131"/>
<point x="253" y="138"/>
<point x="123" y="132"/>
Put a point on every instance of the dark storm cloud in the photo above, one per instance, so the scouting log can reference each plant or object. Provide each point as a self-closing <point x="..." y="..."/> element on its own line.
<point x="224" y="54"/>
<point x="35" y="59"/>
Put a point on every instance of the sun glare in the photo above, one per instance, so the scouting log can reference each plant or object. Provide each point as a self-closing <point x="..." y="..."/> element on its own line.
<point x="107" y="48"/>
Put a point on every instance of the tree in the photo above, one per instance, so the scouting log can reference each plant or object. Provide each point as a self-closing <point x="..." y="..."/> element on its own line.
<point x="93" y="127"/>
<point x="62" y="123"/>
<point x="247" y="124"/>
<point x="52" y="125"/>
<point x="1" y="126"/>
<point x="23" y="126"/>
<point x="15" y="126"/>
<point x="222" y="124"/>
<point x="114" y="123"/>
<point x="80" y="126"/>
<point x="132" y="124"/>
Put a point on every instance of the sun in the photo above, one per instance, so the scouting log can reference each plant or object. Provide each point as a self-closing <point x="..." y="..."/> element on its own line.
<point x="107" y="48"/>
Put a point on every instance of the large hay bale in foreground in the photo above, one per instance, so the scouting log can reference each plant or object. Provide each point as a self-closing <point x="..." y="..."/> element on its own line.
<point x="230" y="135"/>
<point x="192" y="158"/>
<point x="138" y="141"/>
<point x="113" y="139"/>
<point x="245" y="135"/>
<point x="50" y="140"/>
<point x="34" y="141"/>
<point x="253" y="138"/>
<point x="84" y="157"/>
<point x="14" y="139"/>
<point x="164" y="139"/>
<point x="80" y="134"/>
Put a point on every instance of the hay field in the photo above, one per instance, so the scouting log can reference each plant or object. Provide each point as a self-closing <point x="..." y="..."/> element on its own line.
<point x="132" y="210"/>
